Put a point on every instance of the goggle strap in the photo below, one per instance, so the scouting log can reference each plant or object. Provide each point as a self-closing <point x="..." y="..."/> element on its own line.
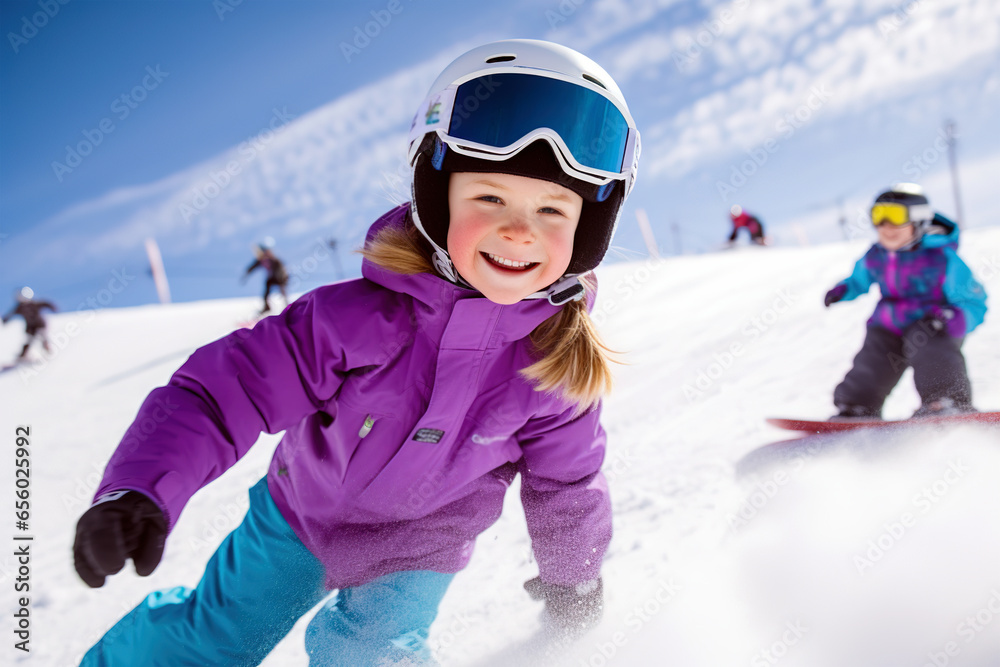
<point x="440" y="150"/>
<point x="921" y="213"/>
<point x="487" y="153"/>
<point x="605" y="191"/>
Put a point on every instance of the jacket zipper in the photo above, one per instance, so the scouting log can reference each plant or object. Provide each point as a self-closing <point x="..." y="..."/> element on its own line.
<point x="890" y="274"/>
<point x="366" y="428"/>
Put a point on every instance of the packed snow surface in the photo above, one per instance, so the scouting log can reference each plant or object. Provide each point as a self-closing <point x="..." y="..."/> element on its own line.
<point x="864" y="550"/>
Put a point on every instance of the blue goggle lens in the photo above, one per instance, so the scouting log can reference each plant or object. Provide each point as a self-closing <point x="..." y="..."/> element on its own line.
<point x="499" y="109"/>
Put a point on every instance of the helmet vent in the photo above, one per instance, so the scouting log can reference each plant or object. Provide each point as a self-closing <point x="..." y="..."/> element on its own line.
<point x="500" y="59"/>
<point x="594" y="80"/>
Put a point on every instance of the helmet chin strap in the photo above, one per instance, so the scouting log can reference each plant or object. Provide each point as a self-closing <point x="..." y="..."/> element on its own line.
<point x="562" y="291"/>
<point x="443" y="264"/>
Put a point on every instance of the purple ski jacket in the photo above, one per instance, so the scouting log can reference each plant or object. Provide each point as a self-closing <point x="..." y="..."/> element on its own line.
<point x="405" y="421"/>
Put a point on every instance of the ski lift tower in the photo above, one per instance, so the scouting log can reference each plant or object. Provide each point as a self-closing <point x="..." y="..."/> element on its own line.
<point x="949" y="130"/>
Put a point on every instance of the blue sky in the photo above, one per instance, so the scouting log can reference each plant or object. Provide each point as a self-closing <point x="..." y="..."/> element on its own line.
<point x="227" y="66"/>
<point x="798" y="110"/>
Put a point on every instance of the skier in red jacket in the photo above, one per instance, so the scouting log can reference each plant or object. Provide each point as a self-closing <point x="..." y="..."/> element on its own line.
<point x="743" y="219"/>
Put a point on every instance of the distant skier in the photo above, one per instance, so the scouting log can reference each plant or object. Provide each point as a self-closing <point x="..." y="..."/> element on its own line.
<point x="277" y="276"/>
<point x="410" y="398"/>
<point x="34" y="324"/>
<point x="743" y="220"/>
<point x="930" y="301"/>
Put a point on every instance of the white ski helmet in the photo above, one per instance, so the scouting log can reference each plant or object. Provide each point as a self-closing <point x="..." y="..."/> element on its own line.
<point x="529" y="108"/>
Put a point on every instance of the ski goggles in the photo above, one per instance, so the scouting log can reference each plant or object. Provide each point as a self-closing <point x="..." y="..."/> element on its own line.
<point x="495" y="115"/>
<point x="899" y="214"/>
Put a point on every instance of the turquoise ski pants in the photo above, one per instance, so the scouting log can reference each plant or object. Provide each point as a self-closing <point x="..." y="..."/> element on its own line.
<point x="258" y="583"/>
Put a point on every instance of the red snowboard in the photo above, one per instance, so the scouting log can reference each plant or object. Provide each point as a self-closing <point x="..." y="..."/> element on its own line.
<point x="807" y="426"/>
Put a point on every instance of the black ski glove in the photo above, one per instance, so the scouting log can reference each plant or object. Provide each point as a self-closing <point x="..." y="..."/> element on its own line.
<point x="129" y="526"/>
<point x="937" y="318"/>
<point x="571" y="608"/>
<point x="834" y="295"/>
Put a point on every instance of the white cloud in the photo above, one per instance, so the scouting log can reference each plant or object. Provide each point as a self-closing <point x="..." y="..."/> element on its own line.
<point x="590" y="23"/>
<point x="861" y="64"/>
<point x="296" y="174"/>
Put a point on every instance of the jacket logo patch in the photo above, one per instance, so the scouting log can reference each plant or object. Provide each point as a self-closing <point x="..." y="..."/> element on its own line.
<point x="432" y="435"/>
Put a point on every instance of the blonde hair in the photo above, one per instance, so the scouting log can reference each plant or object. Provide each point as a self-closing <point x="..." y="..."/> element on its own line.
<point x="574" y="362"/>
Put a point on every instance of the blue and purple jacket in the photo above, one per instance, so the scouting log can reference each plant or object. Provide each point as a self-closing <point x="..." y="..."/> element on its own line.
<point x="927" y="279"/>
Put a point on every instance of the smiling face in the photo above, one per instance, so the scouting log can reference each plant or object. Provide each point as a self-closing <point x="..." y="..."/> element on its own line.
<point x="510" y="236"/>
<point x="894" y="237"/>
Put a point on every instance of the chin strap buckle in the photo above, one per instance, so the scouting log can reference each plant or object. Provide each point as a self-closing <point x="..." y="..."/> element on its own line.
<point x="443" y="265"/>
<point x="565" y="290"/>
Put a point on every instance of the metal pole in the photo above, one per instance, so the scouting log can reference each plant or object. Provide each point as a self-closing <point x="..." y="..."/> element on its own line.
<point x="647" y="233"/>
<point x="949" y="129"/>
<point x="156" y="269"/>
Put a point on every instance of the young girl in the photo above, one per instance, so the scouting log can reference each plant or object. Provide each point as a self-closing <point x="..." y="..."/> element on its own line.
<point x="410" y="398"/>
<point x="930" y="301"/>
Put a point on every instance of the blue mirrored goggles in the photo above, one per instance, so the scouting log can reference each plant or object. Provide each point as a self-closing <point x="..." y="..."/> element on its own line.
<point x="500" y="113"/>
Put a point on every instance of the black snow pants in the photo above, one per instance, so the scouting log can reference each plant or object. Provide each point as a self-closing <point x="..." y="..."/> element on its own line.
<point x="936" y="358"/>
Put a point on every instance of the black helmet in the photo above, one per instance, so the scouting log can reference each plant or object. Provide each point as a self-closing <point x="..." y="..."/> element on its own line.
<point x="913" y="198"/>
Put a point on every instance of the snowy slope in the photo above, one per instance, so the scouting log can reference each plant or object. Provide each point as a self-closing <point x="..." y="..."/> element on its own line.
<point x="880" y="553"/>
